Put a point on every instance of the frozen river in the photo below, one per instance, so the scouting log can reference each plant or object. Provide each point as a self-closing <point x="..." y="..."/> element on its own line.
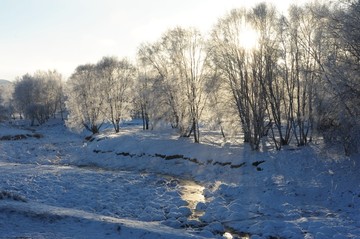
<point x="56" y="184"/>
<point x="41" y="197"/>
<point x="113" y="194"/>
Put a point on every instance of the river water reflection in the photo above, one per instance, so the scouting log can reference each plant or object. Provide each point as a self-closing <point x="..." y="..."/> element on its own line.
<point x="193" y="194"/>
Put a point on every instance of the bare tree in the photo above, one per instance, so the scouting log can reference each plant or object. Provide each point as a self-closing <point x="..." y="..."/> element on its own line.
<point x="85" y="101"/>
<point x="23" y="95"/>
<point x="3" y="110"/>
<point x="117" y="77"/>
<point x="6" y="102"/>
<point x="165" y="85"/>
<point x="338" y="105"/>
<point x="36" y="96"/>
<point x="51" y="90"/>
<point x="180" y="60"/>
<point x="145" y="97"/>
<point x="264" y="18"/>
<point x="241" y="72"/>
<point x="190" y="57"/>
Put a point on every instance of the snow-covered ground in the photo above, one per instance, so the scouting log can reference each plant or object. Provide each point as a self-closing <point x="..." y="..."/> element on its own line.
<point x="153" y="184"/>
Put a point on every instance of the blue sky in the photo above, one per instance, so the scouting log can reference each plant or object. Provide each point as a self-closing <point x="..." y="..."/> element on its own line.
<point x="62" y="34"/>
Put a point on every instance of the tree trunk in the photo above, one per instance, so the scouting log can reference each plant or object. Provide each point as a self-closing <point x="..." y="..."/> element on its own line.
<point x="196" y="131"/>
<point x="95" y="129"/>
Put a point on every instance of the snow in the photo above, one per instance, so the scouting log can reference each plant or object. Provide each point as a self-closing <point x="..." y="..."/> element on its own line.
<point x="153" y="184"/>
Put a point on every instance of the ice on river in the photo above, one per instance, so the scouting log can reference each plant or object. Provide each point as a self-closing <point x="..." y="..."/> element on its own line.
<point x="49" y="198"/>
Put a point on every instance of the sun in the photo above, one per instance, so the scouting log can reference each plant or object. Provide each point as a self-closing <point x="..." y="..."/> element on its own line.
<point x="249" y="38"/>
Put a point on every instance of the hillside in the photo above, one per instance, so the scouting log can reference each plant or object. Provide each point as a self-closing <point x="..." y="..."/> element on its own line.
<point x="4" y="82"/>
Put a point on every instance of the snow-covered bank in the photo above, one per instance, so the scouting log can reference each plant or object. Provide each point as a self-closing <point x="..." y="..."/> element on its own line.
<point x="288" y="194"/>
<point x="58" y="222"/>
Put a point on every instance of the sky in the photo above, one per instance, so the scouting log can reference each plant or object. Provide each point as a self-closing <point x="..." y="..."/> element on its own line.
<point x="62" y="34"/>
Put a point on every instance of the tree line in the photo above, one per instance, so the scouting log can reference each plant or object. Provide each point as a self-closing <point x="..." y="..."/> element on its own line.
<point x="301" y="78"/>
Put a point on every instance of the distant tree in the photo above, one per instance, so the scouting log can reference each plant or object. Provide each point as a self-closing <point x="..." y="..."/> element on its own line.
<point x="3" y="110"/>
<point x="24" y="93"/>
<point x="38" y="91"/>
<point x="221" y="114"/>
<point x="51" y="91"/>
<point x="36" y="112"/>
<point x="6" y="106"/>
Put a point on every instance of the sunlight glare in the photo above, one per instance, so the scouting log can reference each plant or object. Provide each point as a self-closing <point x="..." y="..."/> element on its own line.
<point x="249" y="39"/>
<point x="227" y="235"/>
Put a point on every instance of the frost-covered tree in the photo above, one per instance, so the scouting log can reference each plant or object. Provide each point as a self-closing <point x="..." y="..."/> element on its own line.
<point x="39" y="91"/>
<point x="156" y="59"/>
<point x="242" y="72"/>
<point x="305" y="47"/>
<point x="24" y="93"/>
<point x="117" y="80"/>
<point x="179" y="59"/>
<point x="51" y="91"/>
<point x="276" y="82"/>
<point x="221" y="114"/>
<point x="3" y="110"/>
<point x="85" y="100"/>
<point x="339" y="100"/>
<point x="6" y="103"/>
<point x="100" y="92"/>
<point x="264" y="19"/>
<point x="145" y="99"/>
<point x="189" y="55"/>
